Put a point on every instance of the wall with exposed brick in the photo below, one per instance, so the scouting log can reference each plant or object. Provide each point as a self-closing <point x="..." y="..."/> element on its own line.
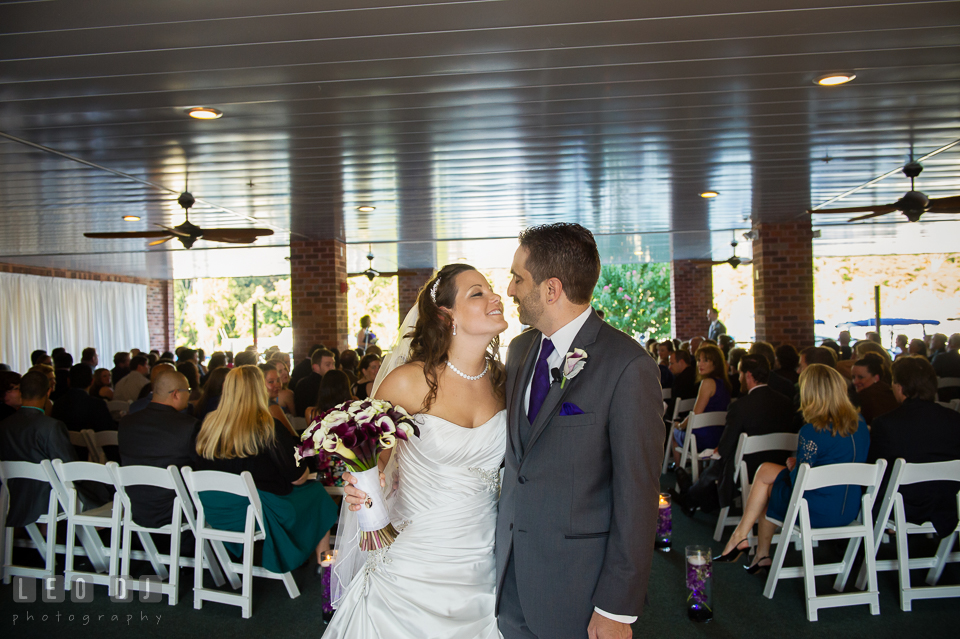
<point x="691" y="292"/>
<point x="319" y="302"/>
<point x="409" y="286"/>
<point x="783" y="283"/>
<point x="159" y="297"/>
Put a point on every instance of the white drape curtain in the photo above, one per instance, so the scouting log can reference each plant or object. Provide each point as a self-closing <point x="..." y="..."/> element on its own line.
<point x="46" y="312"/>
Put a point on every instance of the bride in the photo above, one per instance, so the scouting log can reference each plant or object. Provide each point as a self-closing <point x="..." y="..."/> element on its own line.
<point x="437" y="579"/>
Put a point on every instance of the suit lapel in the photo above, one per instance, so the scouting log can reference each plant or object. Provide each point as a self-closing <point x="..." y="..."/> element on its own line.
<point x="524" y="372"/>
<point x="586" y="337"/>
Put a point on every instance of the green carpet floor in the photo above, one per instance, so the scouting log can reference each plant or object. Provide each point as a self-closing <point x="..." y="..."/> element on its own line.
<point x="740" y="608"/>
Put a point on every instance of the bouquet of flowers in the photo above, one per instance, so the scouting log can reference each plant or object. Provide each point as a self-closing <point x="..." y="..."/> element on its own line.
<point x="355" y="433"/>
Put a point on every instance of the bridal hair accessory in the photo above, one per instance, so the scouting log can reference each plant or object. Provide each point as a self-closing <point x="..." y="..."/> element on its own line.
<point x="573" y="363"/>
<point x="433" y="290"/>
<point x="356" y="432"/>
<point x="464" y="375"/>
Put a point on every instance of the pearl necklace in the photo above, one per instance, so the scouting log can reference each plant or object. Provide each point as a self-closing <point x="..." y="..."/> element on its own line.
<point x="459" y="372"/>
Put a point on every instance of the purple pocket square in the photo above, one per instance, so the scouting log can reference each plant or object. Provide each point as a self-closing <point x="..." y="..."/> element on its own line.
<point x="570" y="409"/>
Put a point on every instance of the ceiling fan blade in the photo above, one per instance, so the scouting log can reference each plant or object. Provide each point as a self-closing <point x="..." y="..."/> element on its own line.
<point x="746" y="260"/>
<point x="234" y="236"/>
<point x="170" y="229"/>
<point x="880" y="209"/>
<point x="866" y="217"/>
<point x="158" y="242"/>
<point x="945" y="205"/>
<point x="711" y="264"/>
<point x="127" y="234"/>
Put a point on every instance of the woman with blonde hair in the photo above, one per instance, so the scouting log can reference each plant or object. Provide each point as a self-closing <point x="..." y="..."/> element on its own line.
<point x="713" y="396"/>
<point x="242" y="435"/>
<point x="833" y="434"/>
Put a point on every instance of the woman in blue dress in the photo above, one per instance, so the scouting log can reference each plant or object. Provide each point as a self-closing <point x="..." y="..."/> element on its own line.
<point x="833" y="434"/>
<point x="713" y="397"/>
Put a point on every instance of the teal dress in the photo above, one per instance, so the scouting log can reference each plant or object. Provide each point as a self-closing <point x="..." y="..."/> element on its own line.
<point x="295" y="517"/>
<point x="832" y="505"/>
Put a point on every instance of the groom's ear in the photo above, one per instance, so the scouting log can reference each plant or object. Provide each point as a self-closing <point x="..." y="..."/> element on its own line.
<point x="554" y="290"/>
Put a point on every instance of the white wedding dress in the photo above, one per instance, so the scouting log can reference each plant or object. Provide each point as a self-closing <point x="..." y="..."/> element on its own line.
<point x="437" y="579"/>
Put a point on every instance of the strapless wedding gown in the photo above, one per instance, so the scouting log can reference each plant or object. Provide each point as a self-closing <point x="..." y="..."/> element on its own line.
<point x="437" y="580"/>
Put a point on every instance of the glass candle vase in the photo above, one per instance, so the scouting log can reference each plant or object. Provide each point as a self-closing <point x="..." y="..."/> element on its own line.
<point x="699" y="583"/>
<point x="326" y="568"/>
<point x="664" y="524"/>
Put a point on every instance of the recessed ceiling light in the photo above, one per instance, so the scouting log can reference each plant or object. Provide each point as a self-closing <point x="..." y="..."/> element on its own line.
<point x="366" y="209"/>
<point x="833" y="79"/>
<point x="709" y="194"/>
<point x="204" y="113"/>
<point x="131" y="218"/>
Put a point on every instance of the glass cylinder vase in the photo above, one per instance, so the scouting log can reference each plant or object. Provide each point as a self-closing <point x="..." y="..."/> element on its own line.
<point x="664" y="524"/>
<point x="699" y="583"/>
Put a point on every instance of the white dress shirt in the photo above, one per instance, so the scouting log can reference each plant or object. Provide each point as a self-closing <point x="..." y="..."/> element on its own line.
<point x="562" y="340"/>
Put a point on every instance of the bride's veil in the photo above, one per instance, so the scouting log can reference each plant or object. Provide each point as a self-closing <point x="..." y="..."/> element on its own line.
<point x="349" y="558"/>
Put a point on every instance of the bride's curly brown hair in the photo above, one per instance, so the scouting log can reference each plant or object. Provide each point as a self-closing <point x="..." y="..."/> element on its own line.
<point x="433" y="333"/>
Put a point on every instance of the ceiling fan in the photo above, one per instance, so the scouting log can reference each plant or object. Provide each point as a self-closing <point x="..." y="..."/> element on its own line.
<point x="370" y="273"/>
<point x="733" y="261"/>
<point x="189" y="233"/>
<point x="913" y="204"/>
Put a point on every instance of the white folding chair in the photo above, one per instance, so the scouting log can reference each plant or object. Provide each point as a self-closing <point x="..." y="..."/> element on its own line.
<point x="680" y="407"/>
<point x="690" y="452"/>
<point x="100" y="439"/>
<point x="866" y="475"/>
<point x="106" y="516"/>
<point x="299" y="424"/>
<point x="79" y="439"/>
<point x="242" y="485"/>
<point x="953" y="404"/>
<point x="20" y="470"/>
<point x="118" y="408"/>
<point x="127" y="476"/>
<point x="904" y="474"/>
<point x="665" y="394"/>
<point x="748" y="446"/>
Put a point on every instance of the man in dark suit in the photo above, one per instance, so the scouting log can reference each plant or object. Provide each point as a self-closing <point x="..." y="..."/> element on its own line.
<point x="303" y="367"/>
<point x="78" y="409"/>
<point x="121" y="366"/>
<point x="582" y="466"/>
<point x="760" y="411"/>
<point x="29" y="435"/>
<point x="684" y="379"/>
<point x="919" y="431"/>
<point x="948" y="365"/>
<point x="305" y="394"/>
<point x="63" y="362"/>
<point x="159" y="435"/>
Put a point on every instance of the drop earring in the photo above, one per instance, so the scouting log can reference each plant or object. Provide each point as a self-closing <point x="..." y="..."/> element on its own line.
<point x="454" y="330"/>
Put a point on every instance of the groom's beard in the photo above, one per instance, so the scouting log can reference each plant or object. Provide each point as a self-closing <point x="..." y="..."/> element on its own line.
<point x="530" y="308"/>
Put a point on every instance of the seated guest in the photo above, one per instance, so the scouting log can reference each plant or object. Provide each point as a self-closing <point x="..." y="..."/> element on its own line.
<point x="712" y="396"/>
<point x="874" y="396"/>
<point x="272" y="379"/>
<point x="726" y="344"/>
<point x="10" y="383"/>
<point x="788" y="360"/>
<point x="145" y="400"/>
<point x="285" y="398"/>
<point x="733" y="373"/>
<point x="817" y="355"/>
<point x="846" y="352"/>
<point x="62" y="363"/>
<point x="833" y="346"/>
<point x="938" y="344"/>
<point x="777" y="381"/>
<point x="664" y="349"/>
<point x="695" y="343"/>
<point x="121" y="366"/>
<point x="349" y="363"/>
<point x="948" y="365"/>
<point x="369" y="367"/>
<point x="158" y="435"/>
<point x="201" y="359"/>
<point x="901" y="347"/>
<point x="130" y="385"/>
<point x="102" y="387"/>
<point x="760" y="411"/>
<point x="217" y="360"/>
<point x="188" y="368"/>
<point x="212" y="391"/>
<point x="917" y="347"/>
<point x="51" y="375"/>
<point x="89" y="357"/>
<point x="29" y="435"/>
<point x="245" y="358"/>
<point x="242" y="436"/>
<point x="303" y="367"/>
<point x="334" y="390"/>
<point x="920" y="432"/>
<point x="78" y="409"/>
<point x="305" y="393"/>
<point x="40" y="356"/>
<point x="833" y="434"/>
<point x="684" y="380"/>
<point x="651" y="347"/>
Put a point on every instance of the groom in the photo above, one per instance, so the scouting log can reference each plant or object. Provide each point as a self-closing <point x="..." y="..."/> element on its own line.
<point x="578" y="505"/>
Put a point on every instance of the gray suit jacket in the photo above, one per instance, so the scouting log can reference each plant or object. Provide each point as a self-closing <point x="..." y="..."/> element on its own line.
<point x="29" y="435"/>
<point x="578" y="507"/>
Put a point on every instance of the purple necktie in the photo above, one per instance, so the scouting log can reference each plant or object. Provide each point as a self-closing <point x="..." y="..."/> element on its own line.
<point x="541" y="380"/>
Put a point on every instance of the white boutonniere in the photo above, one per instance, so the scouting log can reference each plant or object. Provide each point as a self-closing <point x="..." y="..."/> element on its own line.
<point x="572" y="364"/>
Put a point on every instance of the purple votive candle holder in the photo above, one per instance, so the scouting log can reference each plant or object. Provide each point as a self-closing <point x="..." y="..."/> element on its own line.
<point x="664" y="524"/>
<point x="699" y="583"/>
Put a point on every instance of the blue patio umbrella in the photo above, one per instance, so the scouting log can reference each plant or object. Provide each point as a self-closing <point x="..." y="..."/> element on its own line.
<point x="888" y="321"/>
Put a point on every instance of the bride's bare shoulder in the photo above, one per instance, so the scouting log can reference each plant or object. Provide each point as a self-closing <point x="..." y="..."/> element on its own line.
<point x="406" y="386"/>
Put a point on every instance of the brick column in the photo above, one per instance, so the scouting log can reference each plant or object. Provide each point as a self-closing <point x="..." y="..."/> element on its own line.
<point x="691" y="293"/>
<point x="318" y="291"/>
<point x="409" y="285"/>
<point x="783" y="283"/>
<point x="160" y="320"/>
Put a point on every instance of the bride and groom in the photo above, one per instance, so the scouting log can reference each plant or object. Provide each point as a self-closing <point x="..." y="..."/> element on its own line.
<point x="574" y="419"/>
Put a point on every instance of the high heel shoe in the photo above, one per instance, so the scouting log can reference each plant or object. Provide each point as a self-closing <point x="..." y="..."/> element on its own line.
<point x="757" y="568"/>
<point x="733" y="555"/>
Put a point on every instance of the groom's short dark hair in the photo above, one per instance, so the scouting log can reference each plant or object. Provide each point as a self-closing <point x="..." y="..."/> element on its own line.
<point x="567" y="252"/>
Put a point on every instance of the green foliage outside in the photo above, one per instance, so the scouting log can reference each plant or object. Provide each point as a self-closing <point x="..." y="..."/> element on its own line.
<point x="635" y="299"/>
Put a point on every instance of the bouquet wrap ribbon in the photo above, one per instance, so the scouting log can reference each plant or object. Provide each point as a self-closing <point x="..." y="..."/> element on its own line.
<point x="372" y="515"/>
